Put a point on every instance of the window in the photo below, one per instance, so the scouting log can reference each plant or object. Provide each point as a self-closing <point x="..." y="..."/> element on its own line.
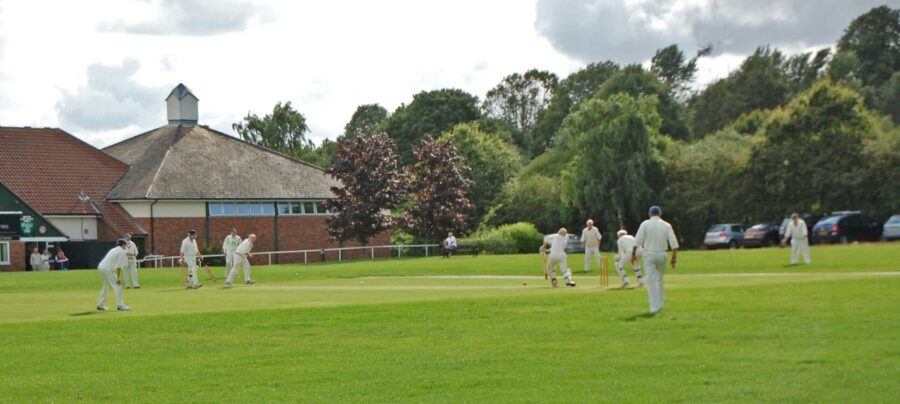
<point x="228" y="209"/>
<point x="320" y="208"/>
<point x="242" y="209"/>
<point x="215" y="209"/>
<point x="4" y="253"/>
<point x="284" y="208"/>
<point x="255" y="209"/>
<point x="268" y="209"/>
<point x="309" y="208"/>
<point x="296" y="208"/>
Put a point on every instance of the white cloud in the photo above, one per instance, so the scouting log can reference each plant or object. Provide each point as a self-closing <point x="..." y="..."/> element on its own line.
<point x="190" y="17"/>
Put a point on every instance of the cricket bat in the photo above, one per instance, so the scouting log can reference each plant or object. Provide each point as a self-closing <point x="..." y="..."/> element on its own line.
<point x="206" y="268"/>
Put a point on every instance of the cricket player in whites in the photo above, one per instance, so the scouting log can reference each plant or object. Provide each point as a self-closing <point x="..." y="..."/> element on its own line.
<point x="626" y="243"/>
<point x="232" y="241"/>
<point x="241" y="253"/>
<point x="110" y="269"/>
<point x="655" y="236"/>
<point x="131" y="251"/>
<point x="557" y="243"/>
<point x="189" y="255"/>
<point x="799" y="235"/>
<point x="590" y="240"/>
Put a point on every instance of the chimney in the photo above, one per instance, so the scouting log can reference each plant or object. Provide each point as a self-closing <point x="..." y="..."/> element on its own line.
<point x="181" y="106"/>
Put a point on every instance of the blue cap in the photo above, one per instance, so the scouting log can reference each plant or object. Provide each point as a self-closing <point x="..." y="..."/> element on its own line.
<point x="121" y="241"/>
<point x="655" y="210"/>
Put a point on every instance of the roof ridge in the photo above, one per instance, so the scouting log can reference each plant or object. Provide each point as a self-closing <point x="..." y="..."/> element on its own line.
<point x="275" y="152"/>
<point x="135" y="137"/>
<point x="162" y="162"/>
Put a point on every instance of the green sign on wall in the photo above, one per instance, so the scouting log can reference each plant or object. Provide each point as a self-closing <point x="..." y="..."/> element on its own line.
<point x="27" y="226"/>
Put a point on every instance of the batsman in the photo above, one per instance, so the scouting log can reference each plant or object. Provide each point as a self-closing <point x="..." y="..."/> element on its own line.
<point x="557" y="243"/>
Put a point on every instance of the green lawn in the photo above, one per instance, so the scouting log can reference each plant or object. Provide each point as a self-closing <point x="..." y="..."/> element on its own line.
<point x="739" y="326"/>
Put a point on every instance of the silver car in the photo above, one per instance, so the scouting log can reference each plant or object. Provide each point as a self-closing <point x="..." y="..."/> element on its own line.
<point x="726" y="235"/>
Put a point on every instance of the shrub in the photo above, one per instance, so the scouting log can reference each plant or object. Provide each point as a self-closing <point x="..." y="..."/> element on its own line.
<point x="513" y="238"/>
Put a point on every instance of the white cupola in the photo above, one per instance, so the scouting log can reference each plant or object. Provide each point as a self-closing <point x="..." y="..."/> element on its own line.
<point x="181" y="106"/>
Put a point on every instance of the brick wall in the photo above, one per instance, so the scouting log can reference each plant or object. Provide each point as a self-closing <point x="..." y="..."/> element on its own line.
<point x="17" y="258"/>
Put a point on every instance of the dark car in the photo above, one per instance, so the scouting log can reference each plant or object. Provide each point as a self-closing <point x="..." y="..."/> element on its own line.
<point x="761" y="235"/>
<point x="810" y="218"/>
<point x="845" y="227"/>
<point x="728" y="235"/>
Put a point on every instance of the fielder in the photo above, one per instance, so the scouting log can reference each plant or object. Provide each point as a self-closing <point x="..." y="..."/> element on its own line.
<point x="655" y="236"/>
<point x="798" y="233"/>
<point x="232" y="241"/>
<point x="557" y="243"/>
<point x="590" y="240"/>
<point x="130" y="272"/>
<point x="109" y="267"/>
<point x="626" y="243"/>
<point x="241" y="253"/>
<point x="189" y="255"/>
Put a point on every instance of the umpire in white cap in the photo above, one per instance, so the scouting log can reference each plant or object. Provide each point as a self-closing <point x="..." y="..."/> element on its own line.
<point x="655" y="236"/>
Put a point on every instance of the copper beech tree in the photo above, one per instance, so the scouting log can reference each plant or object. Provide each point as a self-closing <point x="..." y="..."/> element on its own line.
<point x="437" y="186"/>
<point x="371" y="184"/>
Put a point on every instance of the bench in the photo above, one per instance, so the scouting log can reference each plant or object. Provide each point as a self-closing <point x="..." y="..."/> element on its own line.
<point x="464" y="247"/>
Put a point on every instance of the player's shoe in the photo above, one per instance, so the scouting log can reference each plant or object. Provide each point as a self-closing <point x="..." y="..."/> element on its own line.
<point x="123" y="308"/>
<point x="228" y="284"/>
<point x="198" y="286"/>
<point x="625" y="285"/>
<point x="102" y="308"/>
<point x="570" y="283"/>
<point x="250" y="282"/>
<point x="553" y="281"/>
<point x="137" y="287"/>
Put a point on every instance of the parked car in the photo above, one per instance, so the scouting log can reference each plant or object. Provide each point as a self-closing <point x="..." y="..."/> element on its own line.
<point x="573" y="243"/>
<point x="891" y="228"/>
<point x="844" y="227"/>
<point x="810" y="218"/>
<point x="729" y="235"/>
<point x="761" y="235"/>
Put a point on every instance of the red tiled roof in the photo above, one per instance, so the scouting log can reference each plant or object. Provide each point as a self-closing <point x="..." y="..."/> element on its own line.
<point x="49" y="169"/>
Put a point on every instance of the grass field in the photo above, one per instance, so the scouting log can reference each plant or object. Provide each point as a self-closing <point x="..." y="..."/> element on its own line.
<point x="739" y="326"/>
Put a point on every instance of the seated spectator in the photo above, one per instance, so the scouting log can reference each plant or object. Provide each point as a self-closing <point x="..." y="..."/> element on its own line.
<point x="449" y="245"/>
<point x="62" y="262"/>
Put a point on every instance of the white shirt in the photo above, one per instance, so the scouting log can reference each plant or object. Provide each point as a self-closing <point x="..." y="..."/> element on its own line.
<point x="115" y="258"/>
<point x="231" y="242"/>
<point x="244" y="247"/>
<point x="626" y="245"/>
<point x="557" y="243"/>
<point x="450" y="242"/>
<point x="131" y="248"/>
<point x="189" y="248"/>
<point x="591" y="237"/>
<point x="655" y="235"/>
<point x="35" y="261"/>
<point x="797" y="232"/>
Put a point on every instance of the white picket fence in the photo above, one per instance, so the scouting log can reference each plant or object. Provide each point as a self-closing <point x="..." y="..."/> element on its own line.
<point x="314" y="255"/>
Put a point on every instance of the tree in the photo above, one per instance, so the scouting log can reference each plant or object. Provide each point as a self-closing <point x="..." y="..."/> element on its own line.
<point x="365" y="119"/>
<point x="371" y="183"/>
<point x="802" y="70"/>
<point x="437" y="191"/>
<point x="325" y="155"/>
<point x="669" y="65"/>
<point x="616" y="172"/>
<point x="570" y="93"/>
<point x="874" y="39"/>
<point x="492" y="162"/>
<point x="430" y="113"/>
<point x="518" y="99"/>
<point x="284" y="130"/>
<point x="635" y="81"/>
<point x="887" y="99"/>
<point x="760" y="83"/>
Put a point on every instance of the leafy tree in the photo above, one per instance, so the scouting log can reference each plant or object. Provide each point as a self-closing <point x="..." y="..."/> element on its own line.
<point x="365" y="119"/>
<point x="430" y="113"/>
<point x="492" y="162"/>
<point x="887" y="100"/>
<point x="635" y="81"/>
<point x="874" y="39"/>
<point x="518" y="99"/>
<point x="284" y="130"/>
<point x="669" y="65"/>
<point x="882" y="155"/>
<point x="802" y="70"/>
<point x="617" y="169"/>
<point x="570" y="93"/>
<point x="812" y="158"/>
<point x="760" y="83"/>
<point x="325" y="155"/>
<point x="371" y="183"/>
<point x="437" y="191"/>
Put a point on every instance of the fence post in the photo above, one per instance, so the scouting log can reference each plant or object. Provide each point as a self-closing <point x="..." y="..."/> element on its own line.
<point x="270" y="258"/>
<point x="426" y="250"/>
<point x="372" y="251"/>
<point x="340" y="254"/>
<point x="400" y="251"/>
<point x="304" y="257"/>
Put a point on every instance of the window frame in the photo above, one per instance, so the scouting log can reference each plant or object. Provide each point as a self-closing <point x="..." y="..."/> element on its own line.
<point x="4" y="245"/>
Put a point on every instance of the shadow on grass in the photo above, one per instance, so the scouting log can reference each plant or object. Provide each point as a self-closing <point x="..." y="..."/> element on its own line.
<point x="640" y="316"/>
<point x="86" y="313"/>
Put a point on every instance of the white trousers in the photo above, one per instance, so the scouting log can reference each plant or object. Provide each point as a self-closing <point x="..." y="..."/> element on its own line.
<point x="559" y="260"/>
<point x="229" y="262"/>
<point x="191" y="262"/>
<point x="625" y="259"/>
<point x="239" y="260"/>
<point x="107" y="280"/>
<point x="655" y="267"/>
<point x="799" y="246"/>
<point x="130" y="275"/>
<point x="588" y="253"/>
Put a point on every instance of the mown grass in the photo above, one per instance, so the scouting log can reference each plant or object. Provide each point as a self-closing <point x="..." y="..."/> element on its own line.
<point x="739" y="326"/>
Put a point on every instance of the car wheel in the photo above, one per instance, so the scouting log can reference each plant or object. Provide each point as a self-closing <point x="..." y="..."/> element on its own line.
<point x="844" y="240"/>
<point x="733" y="244"/>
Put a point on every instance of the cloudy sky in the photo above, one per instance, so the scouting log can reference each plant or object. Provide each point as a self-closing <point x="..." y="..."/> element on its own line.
<point x="101" y="69"/>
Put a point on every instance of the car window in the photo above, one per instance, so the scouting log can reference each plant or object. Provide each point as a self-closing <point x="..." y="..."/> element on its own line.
<point x="857" y="221"/>
<point x="758" y="227"/>
<point x="716" y="228"/>
<point x="894" y="219"/>
<point x="830" y="220"/>
<point x="737" y="229"/>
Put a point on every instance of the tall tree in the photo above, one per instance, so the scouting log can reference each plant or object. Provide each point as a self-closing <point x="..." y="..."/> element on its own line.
<point x="617" y="168"/>
<point x="636" y="81"/>
<point x="492" y="162"/>
<point x="437" y="191"/>
<point x="284" y="130"/>
<point x="518" y="99"/>
<point x="670" y="66"/>
<point x="365" y="119"/>
<point x="429" y="113"/>
<point x="874" y="39"/>
<point x="371" y="183"/>
<point x="576" y="88"/>
<point x="804" y="69"/>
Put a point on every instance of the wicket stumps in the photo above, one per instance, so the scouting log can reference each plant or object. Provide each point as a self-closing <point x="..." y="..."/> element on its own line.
<point x="604" y="273"/>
